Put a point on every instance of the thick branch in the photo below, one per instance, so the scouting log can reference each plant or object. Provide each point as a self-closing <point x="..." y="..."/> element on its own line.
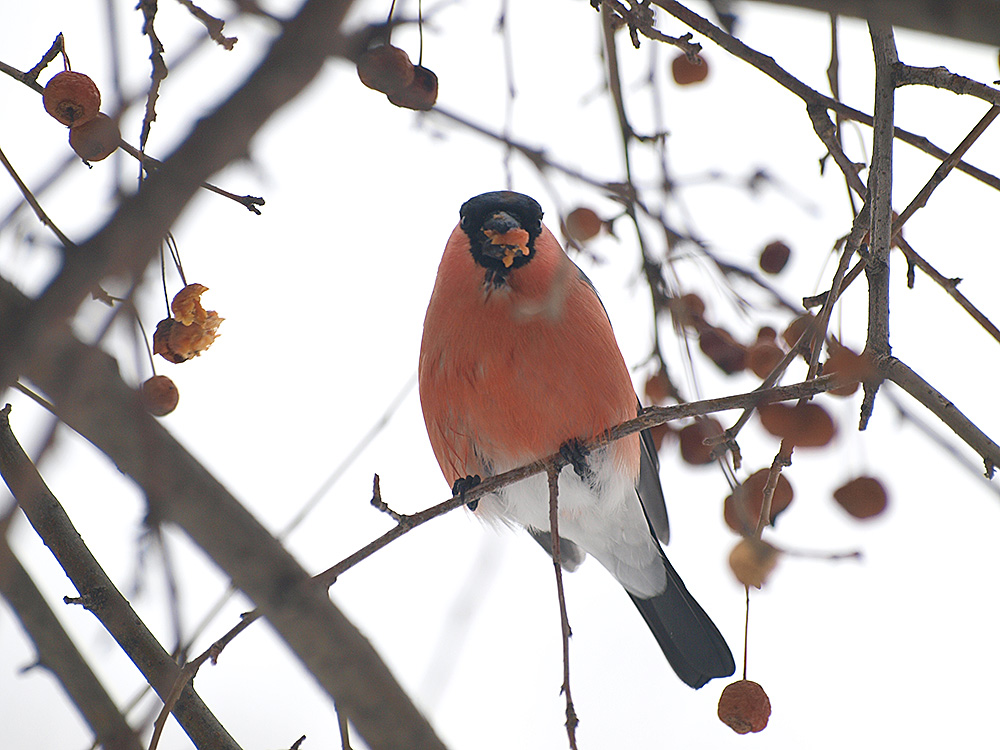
<point x="810" y="96"/>
<point x="89" y="395"/>
<point x="130" y="239"/>
<point x="945" y="410"/>
<point x="99" y="594"/>
<point x="58" y="654"/>
<point x="972" y="20"/>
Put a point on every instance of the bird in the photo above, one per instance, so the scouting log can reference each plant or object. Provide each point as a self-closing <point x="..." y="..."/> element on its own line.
<point x="518" y="361"/>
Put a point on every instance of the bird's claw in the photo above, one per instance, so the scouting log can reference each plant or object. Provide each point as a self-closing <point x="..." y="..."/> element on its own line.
<point x="463" y="485"/>
<point x="576" y="454"/>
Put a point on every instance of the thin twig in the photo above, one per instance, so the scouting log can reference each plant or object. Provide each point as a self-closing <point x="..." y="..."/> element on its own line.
<point x="571" y="717"/>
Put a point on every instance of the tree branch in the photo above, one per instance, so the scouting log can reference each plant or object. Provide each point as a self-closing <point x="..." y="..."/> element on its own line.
<point x="880" y="199"/>
<point x="810" y="96"/>
<point x="58" y="654"/>
<point x="98" y="593"/>
<point x="88" y="394"/>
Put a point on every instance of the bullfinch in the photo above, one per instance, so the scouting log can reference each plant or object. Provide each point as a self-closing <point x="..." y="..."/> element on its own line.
<point x="517" y="362"/>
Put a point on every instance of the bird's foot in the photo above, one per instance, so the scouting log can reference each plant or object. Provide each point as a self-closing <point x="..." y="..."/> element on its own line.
<point x="576" y="454"/>
<point x="463" y="485"/>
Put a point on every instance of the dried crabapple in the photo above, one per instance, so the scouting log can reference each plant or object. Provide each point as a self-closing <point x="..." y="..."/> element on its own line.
<point x="753" y="560"/>
<point x="688" y="309"/>
<point x="763" y="356"/>
<point x="848" y="364"/>
<point x="774" y="256"/>
<point x="741" y="509"/>
<point x="862" y="497"/>
<point x="658" y="388"/>
<point x="186" y="304"/>
<point x="420" y="94"/>
<point x="385" y="68"/>
<point x="719" y="346"/>
<point x="583" y="224"/>
<point x="95" y="139"/>
<point x="191" y="331"/>
<point x="159" y="395"/>
<point x="72" y="98"/>
<point x="744" y="707"/>
<point x="806" y="425"/>
<point x="694" y="450"/>
<point x="687" y="71"/>
<point x="796" y="328"/>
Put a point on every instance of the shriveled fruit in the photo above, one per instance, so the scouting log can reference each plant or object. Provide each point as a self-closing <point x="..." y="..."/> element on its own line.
<point x="385" y="68"/>
<point x="752" y="561"/>
<point x="796" y="328"/>
<point x="191" y="331"/>
<point x="420" y="94"/>
<point x="744" y="707"/>
<point x="659" y="433"/>
<point x="720" y="347"/>
<point x="862" y="497"/>
<point x="687" y="70"/>
<point x="763" y="356"/>
<point x="688" y="310"/>
<point x="95" y="139"/>
<point x="186" y="304"/>
<point x="774" y="256"/>
<point x="692" y="437"/>
<point x="848" y="364"/>
<point x="766" y="333"/>
<point x="805" y="425"/>
<point x="658" y="387"/>
<point x="72" y="98"/>
<point x="741" y="509"/>
<point x="583" y="224"/>
<point x="159" y="395"/>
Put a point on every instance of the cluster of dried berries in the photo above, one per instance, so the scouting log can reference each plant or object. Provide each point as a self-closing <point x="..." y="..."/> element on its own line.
<point x="388" y="69"/>
<point x="74" y="100"/>
<point x="188" y="332"/>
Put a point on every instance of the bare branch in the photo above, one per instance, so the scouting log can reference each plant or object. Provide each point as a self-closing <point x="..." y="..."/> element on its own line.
<point x="99" y="594"/>
<point x="58" y="654"/>
<point x="880" y="201"/>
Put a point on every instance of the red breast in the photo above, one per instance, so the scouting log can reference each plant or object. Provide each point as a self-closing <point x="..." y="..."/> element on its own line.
<point x="510" y="371"/>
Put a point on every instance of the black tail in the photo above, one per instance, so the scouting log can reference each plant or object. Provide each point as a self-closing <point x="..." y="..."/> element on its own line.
<point x="692" y="644"/>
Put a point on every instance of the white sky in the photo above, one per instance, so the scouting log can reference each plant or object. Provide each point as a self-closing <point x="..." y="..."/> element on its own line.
<point x="324" y="297"/>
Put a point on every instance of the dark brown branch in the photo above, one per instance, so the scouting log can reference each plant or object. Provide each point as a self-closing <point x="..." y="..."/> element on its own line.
<point x="810" y="96"/>
<point x="880" y="201"/>
<point x="942" y="78"/>
<point x="99" y="595"/>
<point x="900" y="374"/>
<point x="86" y="390"/>
<point x="58" y="654"/>
<point x="131" y="237"/>
<point x="972" y="20"/>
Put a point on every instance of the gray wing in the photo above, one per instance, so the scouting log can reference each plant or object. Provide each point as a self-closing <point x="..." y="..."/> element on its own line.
<point x="649" y="488"/>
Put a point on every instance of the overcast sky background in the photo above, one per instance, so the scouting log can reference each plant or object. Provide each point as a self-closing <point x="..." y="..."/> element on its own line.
<point x="324" y="296"/>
